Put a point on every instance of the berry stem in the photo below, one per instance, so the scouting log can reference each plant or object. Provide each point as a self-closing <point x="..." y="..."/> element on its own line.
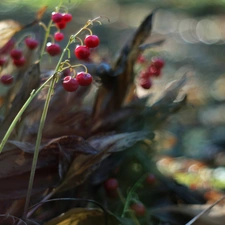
<point x="47" y="33"/>
<point x="40" y="131"/>
<point x="38" y="143"/>
<point x="123" y="200"/>
<point x="130" y="195"/>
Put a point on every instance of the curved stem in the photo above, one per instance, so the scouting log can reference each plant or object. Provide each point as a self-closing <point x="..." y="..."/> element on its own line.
<point x="130" y="194"/>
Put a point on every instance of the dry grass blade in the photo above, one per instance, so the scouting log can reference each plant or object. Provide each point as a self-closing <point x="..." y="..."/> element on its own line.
<point x="204" y="212"/>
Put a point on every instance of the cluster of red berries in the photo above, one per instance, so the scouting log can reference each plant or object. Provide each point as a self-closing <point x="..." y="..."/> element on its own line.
<point x="60" y="20"/>
<point x="18" y="59"/>
<point x="71" y="83"/>
<point x="83" y="52"/>
<point x="153" y="70"/>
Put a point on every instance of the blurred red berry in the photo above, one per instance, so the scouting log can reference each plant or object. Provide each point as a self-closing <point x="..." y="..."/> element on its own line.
<point x="19" y="62"/>
<point x="145" y="83"/>
<point x="82" y="52"/>
<point x="61" y="25"/>
<point x="58" y="36"/>
<point x="6" y="79"/>
<point x="138" y="208"/>
<point x="53" y="49"/>
<point x="91" y="41"/>
<point x="2" y="61"/>
<point x="150" y="179"/>
<point x="154" y="71"/>
<point x="7" y="47"/>
<point x="70" y="84"/>
<point x="141" y="59"/>
<point x="31" y="43"/>
<point x="111" y="184"/>
<point x="144" y="75"/>
<point x="57" y="17"/>
<point x="158" y="62"/>
<point x="16" y="53"/>
<point x="84" y="79"/>
<point x="67" y="17"/>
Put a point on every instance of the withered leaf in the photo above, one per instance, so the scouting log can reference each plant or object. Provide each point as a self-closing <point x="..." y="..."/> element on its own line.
<point x="7" y="29"/>
<point x="84" y="216"/>
<point x="112" y="94"/>
<point x="118" y="142"/>
<point x="15" y="166"/>
<point x="81" y="168"/>
<point x="41" y="12"/>
<point x="171" y="92"/>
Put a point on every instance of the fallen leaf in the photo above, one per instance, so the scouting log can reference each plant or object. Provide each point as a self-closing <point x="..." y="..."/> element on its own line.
<point x="7" y="30"/>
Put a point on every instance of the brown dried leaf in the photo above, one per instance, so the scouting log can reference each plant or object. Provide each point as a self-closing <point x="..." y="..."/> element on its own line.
<point x="41" y="12"/>
<point x="7" y="29"/>
<point x="118" y="142"/>
<point x="112" y="94"/>
<point x="84" y="216"/>
<point x="15" y="166"/>
<point x="81" y="168"/>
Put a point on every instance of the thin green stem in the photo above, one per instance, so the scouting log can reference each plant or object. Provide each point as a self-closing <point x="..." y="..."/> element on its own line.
<point x="131" y="213"/>
<point x="45" y="40"/>
<point x="33" y="94"/>
<point x="130" y="195"/>
<point x="38" y="143"/>
<point x="13" y="124"/>
<point x="40" y="131"/>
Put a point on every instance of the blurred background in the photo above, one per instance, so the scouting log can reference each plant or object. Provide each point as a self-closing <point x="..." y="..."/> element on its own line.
<point x="194" y="34"/>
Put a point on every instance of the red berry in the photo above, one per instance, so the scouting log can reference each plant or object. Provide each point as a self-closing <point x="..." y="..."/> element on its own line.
<point x="91" y="41"/>
<point x="145" y="83"/>
<point x="138" y="208"/>
<point x="150" y="179"/>
<point x="57" y="17"/>
<point x="19" y="62"/>
<point x="16" y="53"/>
<point x="7" y="47"/>
<point x="144" y="75"/>
<point x="70" y="84"/>
<point x="59" y="36"/>
<point x="111" y="184"/>
<point x="141" y="59"/>
<point x="2" y="61"/>
<point x="6" y="79"/>
<point x="82" y="52"/>
<point x="31" y="43"/>
<point x="61" y="25"/>
<point x="67" y="17"/>
<point x="154" y="71"/>
<point x="158" y="62"/>
<point x="84" y="79"/>
<point x="53" y="49"/>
